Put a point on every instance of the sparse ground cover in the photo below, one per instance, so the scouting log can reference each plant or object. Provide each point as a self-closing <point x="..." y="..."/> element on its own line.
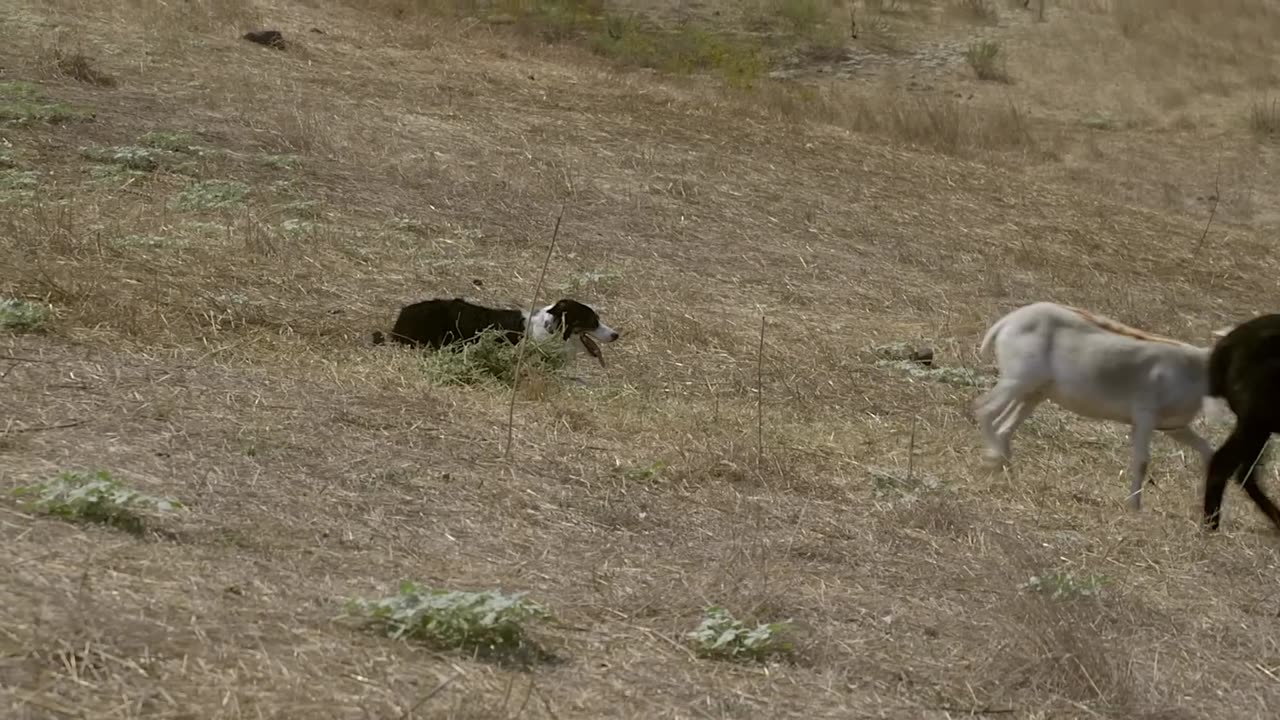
<point x="198" y="235"/>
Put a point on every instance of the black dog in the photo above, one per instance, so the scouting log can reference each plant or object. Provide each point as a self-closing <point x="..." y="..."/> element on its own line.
<point x="439" y="322"/>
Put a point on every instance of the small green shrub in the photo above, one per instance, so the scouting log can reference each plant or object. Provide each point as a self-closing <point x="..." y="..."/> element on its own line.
<point x="489" y="620"/>
<point x="490" y="358"/>
<point x="23" y="103"/>
<point x="94" y="498"/>
<point x="213" y="195"/>
<point x="1064" y="585"/>
<point x="18" y="315"/>
<point x="720" y="635"/>
<point x="985" y="57"/>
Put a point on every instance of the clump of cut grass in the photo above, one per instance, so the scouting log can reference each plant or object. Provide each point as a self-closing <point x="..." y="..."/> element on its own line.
<point x="491" y="358"/>
<point x="975" y="11"/>
<point x="960" y="376"/>
<point x="24" y="103"/>
<point x="1064" y="585"/>
<point x="908" y="488"/>
<point x="97" y="498"/>
<point x="213" y="195"/>
<point x="19" y="315"/>
<point x="488" y="621"/>
<point x="1264" y="119"/>
<point x="722" y="636"/>
<point x="594" y="281"/>
<point x="80" y="67"/>
<point x="985" y="57"/>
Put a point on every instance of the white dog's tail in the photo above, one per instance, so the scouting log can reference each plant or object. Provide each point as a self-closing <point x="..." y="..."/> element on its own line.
<point x="992" y="333"/>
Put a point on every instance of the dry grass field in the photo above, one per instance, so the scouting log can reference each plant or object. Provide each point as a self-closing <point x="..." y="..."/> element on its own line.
<point x="204" y="232"/>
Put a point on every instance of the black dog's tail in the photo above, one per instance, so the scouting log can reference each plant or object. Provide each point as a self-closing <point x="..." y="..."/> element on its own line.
<point x="378" y="338"/>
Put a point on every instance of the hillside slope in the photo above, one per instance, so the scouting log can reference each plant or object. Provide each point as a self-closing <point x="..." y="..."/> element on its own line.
<point x="218" y="226"/>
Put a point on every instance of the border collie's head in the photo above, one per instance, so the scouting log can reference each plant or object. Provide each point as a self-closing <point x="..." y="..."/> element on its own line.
<point x="577" y="323"/>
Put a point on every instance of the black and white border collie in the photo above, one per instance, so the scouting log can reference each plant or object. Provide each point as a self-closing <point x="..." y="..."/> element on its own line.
<point x="439" y="322"/>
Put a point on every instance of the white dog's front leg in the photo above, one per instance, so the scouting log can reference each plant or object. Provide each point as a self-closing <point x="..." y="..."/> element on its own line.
<point x="1140" y="437"/>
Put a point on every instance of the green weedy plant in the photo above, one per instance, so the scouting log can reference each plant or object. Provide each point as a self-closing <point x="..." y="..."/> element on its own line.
<point x="146" y="159"/>
<point x="720" y="635"/>
<point x="1064" y="585"/>
<point x="212" y="195"/>
<point x="488" y="620"/>
<point x="20" y="315"/>
<point x="490" y="358"/>
<point x="96" y="498"/>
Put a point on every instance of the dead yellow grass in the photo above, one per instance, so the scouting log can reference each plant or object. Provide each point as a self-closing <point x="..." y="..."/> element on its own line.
<point x="211" y="332"/>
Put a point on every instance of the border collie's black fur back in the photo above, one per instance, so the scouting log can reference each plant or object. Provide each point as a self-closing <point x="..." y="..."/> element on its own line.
<point x="439" y="322"/>
<point x="1244" y="369"/>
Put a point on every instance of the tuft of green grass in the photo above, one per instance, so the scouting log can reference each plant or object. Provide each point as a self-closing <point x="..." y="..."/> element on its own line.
<point x="490" y="358"/>
<point x="144" y="159"/>
<point x="24" y="103"/>
<point x="985" y="57"/>
<point x="1099" y="121"/>
<point x="803" y="16"/>
<point x="178" y="142"/>
<point x="720" y="635"/>
<point x="1064" y="585"/>
<point x="647" y="473"/>
<point x="213" y="195"/>
<point x="16" y="184"/>
<point x="18" y="315"/>
<point x="686" y="50"/>
<point x="489" y="621"/>
<point x="97" y="498"/>
<point x="286" y="161"/>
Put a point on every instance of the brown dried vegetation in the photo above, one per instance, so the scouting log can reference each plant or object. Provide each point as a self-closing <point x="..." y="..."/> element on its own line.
<point x="215" y="271"/>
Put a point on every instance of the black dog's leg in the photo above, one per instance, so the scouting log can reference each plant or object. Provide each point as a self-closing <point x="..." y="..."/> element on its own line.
<point x="1247" y="475"/>
<point x="1224" y="462"/>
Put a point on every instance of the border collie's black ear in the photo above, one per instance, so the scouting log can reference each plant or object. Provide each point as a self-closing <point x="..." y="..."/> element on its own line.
<point x="560" y="308"/>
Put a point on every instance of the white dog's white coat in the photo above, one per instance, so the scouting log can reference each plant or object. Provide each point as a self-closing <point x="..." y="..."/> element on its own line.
<point x="1098" y="368"/>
